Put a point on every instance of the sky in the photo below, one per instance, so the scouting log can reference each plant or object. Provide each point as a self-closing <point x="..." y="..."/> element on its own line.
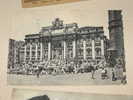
<point x="25" y="94"/>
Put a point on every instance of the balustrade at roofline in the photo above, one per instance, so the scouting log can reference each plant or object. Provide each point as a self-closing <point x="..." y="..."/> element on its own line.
<point x="75" y="30"/>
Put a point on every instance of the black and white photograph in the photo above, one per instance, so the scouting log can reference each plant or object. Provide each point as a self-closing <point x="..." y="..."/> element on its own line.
<point x="67" y="48"/>
<point x="26" y="94"/>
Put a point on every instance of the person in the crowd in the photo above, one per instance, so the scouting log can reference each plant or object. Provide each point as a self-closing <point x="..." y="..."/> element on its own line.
<point x="92" y="71"/>
<point x="113" y="75"/>
<point x="85" y="66"/>
<point x="104" y="73"/>
<point x="39" y="71"/>
<point x="123" y="80"/>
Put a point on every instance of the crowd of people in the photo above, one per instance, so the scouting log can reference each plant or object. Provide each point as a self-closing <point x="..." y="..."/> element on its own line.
<point x="58" y="66"/>
<point x="55" y="65"/>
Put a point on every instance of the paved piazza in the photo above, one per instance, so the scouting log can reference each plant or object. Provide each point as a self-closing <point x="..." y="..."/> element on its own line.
<point x="62" y="79"/>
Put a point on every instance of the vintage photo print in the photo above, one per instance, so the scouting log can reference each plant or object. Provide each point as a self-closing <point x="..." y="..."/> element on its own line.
<point x="25" y="94"/>
<point x="36" y="3"/>
<point x="65" y="48"/>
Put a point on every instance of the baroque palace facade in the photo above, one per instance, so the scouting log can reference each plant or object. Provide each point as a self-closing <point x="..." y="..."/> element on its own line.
<point x="66" y="42"/>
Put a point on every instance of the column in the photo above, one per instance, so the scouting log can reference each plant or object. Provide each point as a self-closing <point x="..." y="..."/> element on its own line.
<point x="41" y="49"/>
<point x="64" y="49"/>
<point x="53" y="52"/>
<point x="25" y="53"/>
<point x="84" y="49"/>
<point x="102" y="47"/>
<point x="49" y="50"/>
<point x="36" y="52"/>
<point x="93" y="49"/>
<point x="30" y="52"/>
<point x="74" y="48"/>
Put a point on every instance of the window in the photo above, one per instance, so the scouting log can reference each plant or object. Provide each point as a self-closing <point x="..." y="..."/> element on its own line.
<point x="69" y="44"/>
<point x="98" y="52"/>
<point x="80" y="52"/>
<point x="33" y="54"/>
<point x="39" y="53"/>
<point x="28" y="47"/>
<point x="89" y="52"/>
<point x="88" y="43"/>
<point x="28" y="53"/>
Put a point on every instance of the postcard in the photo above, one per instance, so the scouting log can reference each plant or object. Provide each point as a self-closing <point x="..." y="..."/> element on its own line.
<point x="29" y="94"/>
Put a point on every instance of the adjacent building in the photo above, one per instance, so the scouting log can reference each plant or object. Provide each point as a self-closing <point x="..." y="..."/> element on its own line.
<point x="116" y="32"/>
<point x="14" y="53"/>
<point x="116" y="48"/>
<point x="11" y="53"/>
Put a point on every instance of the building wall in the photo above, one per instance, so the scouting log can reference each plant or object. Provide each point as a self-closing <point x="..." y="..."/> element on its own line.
<point x="85" y="47"/>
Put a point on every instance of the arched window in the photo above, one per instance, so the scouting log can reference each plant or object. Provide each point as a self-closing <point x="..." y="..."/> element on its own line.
<point x="89" y="52"/>
<point x="98" y="52"/>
